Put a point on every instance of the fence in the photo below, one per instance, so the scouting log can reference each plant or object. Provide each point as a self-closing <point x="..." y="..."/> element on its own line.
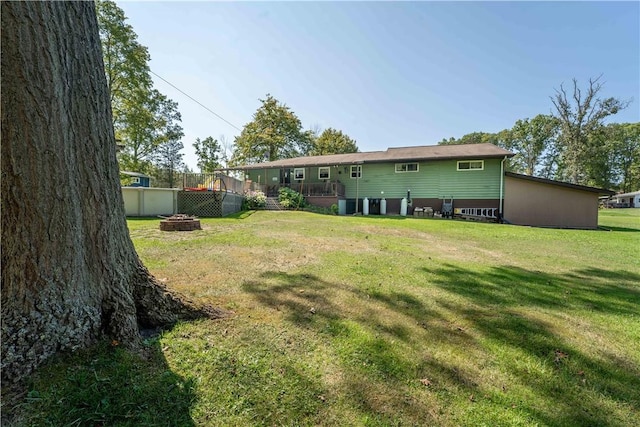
<point x="212" y="182"/>
<point x="210" y="204"/>
<point x="145" y="201"/>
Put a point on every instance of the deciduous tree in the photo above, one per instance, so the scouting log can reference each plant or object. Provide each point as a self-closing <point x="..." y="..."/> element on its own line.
<point x="332" y="141"/>
<point x="620" y="162"/>
<point x="151" y="120"/>
<point x="275" y="133"/>
<point x="125" y="59"/>
<point x="581" y="115"/>
<point x="70" y="273"/>
<point x="208" y="152"/>
<point x="531" y="140"/>
<point x="140" y="113"/>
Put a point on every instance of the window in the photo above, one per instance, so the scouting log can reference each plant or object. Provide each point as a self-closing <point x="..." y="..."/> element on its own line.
<point x="324" y="172"/>
<point x="136" y="180"/>
<point x="356" y="171"/>
<point x="406" y="167"/>
<point x="471" y="165"/>
<point x="298" y="174"/>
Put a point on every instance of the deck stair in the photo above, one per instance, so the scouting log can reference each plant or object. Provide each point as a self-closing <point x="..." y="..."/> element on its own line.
<point x="273" y="204"/>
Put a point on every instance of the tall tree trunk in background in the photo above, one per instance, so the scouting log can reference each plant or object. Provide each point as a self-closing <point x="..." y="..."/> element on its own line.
<point x="70" y="272"/>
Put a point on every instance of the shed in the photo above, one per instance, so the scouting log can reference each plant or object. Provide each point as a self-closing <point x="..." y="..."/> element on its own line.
<point x="136" y="179"/>
<point x="541" y="202"/>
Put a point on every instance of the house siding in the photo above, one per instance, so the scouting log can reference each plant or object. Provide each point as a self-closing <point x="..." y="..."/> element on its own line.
<point x="434" y="180"/>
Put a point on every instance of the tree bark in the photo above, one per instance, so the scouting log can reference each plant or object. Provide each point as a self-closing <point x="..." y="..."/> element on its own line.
<point x="70" y="273"/>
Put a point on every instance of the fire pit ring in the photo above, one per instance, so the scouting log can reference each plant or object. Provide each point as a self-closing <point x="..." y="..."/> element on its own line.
<point x="180" y="222"/>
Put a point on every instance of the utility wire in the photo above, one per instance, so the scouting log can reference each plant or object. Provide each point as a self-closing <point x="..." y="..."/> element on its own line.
<point x="196" y="101"/>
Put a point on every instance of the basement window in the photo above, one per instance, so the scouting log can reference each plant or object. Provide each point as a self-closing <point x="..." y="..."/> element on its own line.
<point x="406" y="167"/>
<point x="324" y="172"/>
<point x="298" y="174"/>
<point x="475" y="165"/>
<point x="356" y="171"/>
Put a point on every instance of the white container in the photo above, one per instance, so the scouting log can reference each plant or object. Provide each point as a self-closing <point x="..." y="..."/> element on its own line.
<point x="342" y="207"/>
<point x="365" y="206"/>
<point x="403" y="206"/>
<point x="383" y="207"/>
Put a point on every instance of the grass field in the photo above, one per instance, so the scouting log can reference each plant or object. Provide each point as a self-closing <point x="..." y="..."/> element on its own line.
<point x="371" y="321"/>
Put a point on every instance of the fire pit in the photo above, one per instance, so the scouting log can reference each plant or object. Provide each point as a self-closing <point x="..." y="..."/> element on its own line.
<point x="180" y="222"/>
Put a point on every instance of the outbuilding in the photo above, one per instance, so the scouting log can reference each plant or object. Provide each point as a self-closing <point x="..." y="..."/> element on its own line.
<point x="135" y="179"/>
<point x="543" y="202"/>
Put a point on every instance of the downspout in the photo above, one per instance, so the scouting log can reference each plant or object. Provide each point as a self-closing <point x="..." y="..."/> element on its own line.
<point x="358" y="173"/>
<point x="357" y="180"/>
<point x="502" y="186"/>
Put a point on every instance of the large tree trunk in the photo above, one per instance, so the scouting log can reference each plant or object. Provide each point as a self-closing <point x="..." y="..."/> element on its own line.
<point x="70" y="273"/>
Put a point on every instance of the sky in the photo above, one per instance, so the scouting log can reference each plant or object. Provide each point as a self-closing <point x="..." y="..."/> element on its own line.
<point x="388" y="74"/>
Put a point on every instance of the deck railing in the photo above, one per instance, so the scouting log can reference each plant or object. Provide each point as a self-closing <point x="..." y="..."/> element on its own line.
<point x="307" y="189"/>
<point x="222" y="182"/>
<point x="212" y="181"/>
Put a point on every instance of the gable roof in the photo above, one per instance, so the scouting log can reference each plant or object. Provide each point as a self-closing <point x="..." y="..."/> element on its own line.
<point x="140" y="175"/>
<point x="400" y="154"/>
<point x="560" y="183"/>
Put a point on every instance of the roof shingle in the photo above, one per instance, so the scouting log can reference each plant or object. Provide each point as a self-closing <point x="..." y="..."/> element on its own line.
<point x="399" y="154"/>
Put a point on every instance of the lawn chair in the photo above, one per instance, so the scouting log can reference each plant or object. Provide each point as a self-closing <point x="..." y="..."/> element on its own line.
<point x="447" y="207"/>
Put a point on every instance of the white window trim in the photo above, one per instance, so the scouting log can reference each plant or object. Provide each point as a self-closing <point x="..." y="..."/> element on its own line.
<point x="358" y="170"/>
<point x="407" y="171"/>
<point x="470" y="168"/>
<point x="136" y="180"/>
<point x="295" y="174"/>
<point x="324" y="168"/>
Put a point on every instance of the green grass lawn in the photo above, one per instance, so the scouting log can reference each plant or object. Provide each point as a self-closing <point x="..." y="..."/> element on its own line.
<point x="371" y="321"/>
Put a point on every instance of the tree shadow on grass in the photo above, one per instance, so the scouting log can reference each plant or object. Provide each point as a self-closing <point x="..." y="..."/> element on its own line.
<point x="510" y="317"/>
<point x="509" y="308"/>
<point x="611" y="292"/>
<point x="374" y="370"/>
<point x="105" y="385"/>
<point x="619" y="229"/>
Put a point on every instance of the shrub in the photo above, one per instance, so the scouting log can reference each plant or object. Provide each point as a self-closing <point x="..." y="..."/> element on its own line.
<point x="334" y="209"/>
<point x="254" y="200"/>
<point x="290" y="199"/>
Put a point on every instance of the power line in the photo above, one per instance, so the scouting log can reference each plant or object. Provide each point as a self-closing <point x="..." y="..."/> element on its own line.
<point x="196" y="101"/>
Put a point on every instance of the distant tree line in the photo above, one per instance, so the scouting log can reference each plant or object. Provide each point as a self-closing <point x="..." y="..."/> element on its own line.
<point x="573" y="144"/>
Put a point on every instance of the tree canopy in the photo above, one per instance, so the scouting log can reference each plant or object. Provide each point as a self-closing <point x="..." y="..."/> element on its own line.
<point x="274" y="133"/>
<point x="530" y="140"/>
<point x="208" y="152"/>
<point x="581" y="116"/>
<point x="332" y="141"/>
<point x="143" y="118"/>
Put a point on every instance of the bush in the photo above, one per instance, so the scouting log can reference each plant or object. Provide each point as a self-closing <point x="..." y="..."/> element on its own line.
<point x="254" y="200"/>
<point x="290" y="199"/>
<point x="334" y="209"/>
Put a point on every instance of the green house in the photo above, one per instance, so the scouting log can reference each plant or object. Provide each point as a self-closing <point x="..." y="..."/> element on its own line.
<point x="472" y="175"/>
